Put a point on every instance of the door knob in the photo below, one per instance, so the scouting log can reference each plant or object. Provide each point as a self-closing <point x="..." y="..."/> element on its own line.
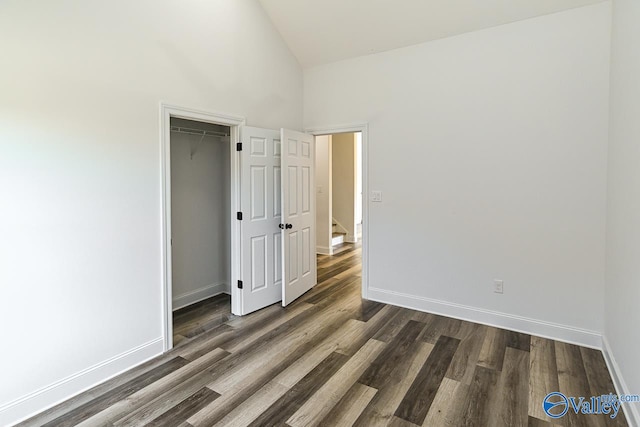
<point x="288" y="226"/>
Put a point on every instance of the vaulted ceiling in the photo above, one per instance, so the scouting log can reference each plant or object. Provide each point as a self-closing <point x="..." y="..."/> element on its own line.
<point x="322" y="31"/>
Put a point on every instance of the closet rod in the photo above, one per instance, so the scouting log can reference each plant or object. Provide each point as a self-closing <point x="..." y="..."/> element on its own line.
<point x="199" y="132"/>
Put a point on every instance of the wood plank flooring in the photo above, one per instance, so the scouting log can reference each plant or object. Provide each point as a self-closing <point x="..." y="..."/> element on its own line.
<point x="331" y="359"/>
<point x="204" y="316"/>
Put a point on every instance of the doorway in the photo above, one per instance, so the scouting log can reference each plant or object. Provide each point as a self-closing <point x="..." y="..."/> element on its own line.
<point x="339" y="190"/>
<point x="200" y="226"/>
<point x="194" y="128"/>
<point x="342" y="215"/>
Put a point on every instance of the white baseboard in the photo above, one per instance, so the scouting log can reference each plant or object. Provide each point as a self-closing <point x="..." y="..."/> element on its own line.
<point x="184" y="300"/>
<point x="630" y="409"/>
<point x="323" y="250"/>
<point x="526" y="325"/>
<point x="40" y="400"/>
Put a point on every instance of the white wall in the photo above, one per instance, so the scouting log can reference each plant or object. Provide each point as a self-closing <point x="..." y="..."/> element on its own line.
<point x="200" y="217"/>
<point x="490" y="151"/>
<point x="344" y="183"/>
<point x="81" y="84"/>
<point x="623" y="227"/>
<point x="323" y="194"/>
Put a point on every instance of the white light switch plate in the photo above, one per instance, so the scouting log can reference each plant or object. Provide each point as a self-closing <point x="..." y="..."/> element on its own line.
<point x="376" y="196"/>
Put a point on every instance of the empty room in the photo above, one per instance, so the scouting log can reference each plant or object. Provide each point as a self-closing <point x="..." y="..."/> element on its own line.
<point x="320" y="213"/>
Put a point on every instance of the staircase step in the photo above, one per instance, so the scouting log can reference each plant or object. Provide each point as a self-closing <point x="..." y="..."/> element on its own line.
<point x="337" y="239"/>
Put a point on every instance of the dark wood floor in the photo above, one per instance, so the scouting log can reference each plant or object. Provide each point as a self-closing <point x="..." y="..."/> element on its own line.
<point x="332" y="359"/>
<point x="196" y="319"/>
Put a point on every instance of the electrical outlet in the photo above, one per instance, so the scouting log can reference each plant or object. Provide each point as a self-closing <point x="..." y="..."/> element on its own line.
<point x="376" y="196"/>
<point x="498" y="286"/>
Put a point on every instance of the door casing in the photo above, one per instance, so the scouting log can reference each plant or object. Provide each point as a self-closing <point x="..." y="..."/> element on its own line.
<point x="168" y="111"/>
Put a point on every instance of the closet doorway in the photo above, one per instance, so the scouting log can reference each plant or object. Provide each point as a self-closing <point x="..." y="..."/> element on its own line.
<point x="200" y="226"/>
<point x="200" y="233"/>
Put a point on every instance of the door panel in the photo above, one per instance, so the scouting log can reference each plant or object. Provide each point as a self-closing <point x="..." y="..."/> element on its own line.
<point x="260" y="200"/>
<point x="298" y="207"/>
<point x="277" y="260"/>
<point x="293" y="191"/>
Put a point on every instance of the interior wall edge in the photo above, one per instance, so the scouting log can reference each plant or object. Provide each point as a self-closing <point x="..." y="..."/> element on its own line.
<point x="40" y="400"/>
<point x="555" y="331"/>
<point x="630" y="410"/>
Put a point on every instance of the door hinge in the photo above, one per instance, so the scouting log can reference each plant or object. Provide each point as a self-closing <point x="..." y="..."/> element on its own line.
<point x="239" y="284"/>
<point x="239" y="146"/>
<point x="239" y="216"/>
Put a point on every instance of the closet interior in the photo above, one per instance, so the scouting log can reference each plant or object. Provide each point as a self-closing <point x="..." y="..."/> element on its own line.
<point x="200" y="226"/>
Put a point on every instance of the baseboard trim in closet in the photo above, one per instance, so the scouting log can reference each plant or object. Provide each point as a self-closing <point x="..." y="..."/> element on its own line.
<point x="184" y="300"/>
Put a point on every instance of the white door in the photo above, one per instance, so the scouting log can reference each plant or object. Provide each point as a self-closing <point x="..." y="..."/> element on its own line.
<point x="260" y="235"/>
<point x="298" y="214"/>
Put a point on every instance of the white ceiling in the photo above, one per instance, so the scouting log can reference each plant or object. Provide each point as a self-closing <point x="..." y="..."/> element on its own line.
<point x="322" y="31"/>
